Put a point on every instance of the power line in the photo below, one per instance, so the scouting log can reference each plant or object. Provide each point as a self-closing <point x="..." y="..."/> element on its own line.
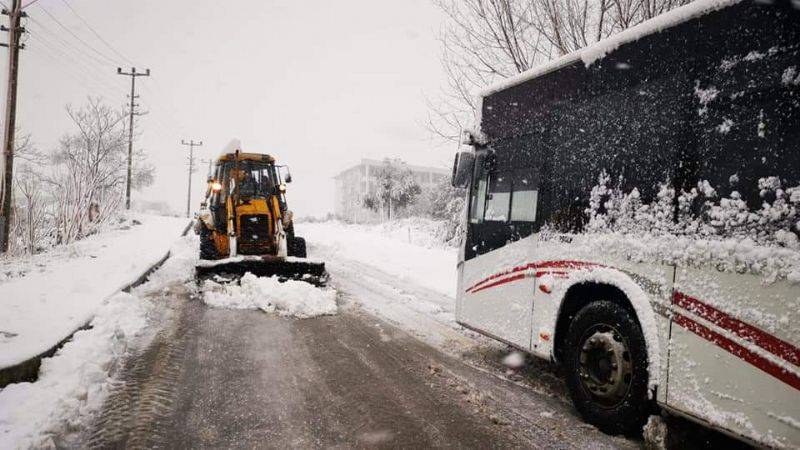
<point x="85" y="22"/>
<point x="170" y="116"/>
<point x="71" y="63"/>
<point x="92" y="68"/>
<point x="65" y="28"/>
<point x="170" y="112"/>
<point x="29" y="3"/>
<point x="81" y="78"/>
<point x="60" y="39"/>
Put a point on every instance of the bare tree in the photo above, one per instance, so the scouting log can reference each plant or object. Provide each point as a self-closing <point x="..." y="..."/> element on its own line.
<point x="31" y="209"/>
<point x="483" y="40"/>
<point x="87" y="179"/>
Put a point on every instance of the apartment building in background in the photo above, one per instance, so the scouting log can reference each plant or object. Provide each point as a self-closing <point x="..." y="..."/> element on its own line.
<point x="352" y="184"/>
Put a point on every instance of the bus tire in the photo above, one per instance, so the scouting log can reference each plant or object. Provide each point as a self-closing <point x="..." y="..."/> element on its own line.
<point x="606" y="368"/>
<point x="207" y="248"/>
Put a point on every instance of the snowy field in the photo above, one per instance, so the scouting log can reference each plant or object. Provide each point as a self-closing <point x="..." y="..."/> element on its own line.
<point x="65" y="287"/>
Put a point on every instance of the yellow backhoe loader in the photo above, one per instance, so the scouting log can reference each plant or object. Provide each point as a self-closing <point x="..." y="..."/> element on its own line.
<point x="244" y="223"/>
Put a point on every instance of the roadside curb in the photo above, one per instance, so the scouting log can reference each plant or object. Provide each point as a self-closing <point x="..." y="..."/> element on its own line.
<point x="28" y="370"/>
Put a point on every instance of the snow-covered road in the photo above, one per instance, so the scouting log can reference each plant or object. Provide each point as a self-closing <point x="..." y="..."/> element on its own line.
<point x="366" y="376"/>
<point x="224" y="378"/>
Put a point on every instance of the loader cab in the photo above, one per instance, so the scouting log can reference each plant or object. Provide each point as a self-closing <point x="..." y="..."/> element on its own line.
<point x="253" y="178"/>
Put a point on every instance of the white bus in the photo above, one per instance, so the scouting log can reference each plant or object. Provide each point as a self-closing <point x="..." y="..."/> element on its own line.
<point x="634" y="212"/>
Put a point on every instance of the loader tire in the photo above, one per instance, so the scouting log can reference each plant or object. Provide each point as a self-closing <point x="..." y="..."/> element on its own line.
<point x="297" y="247"/>
<point x="207" y="248"/>
<point x="606" y="368"/>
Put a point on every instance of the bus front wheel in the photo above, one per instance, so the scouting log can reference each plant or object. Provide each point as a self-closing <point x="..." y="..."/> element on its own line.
<point x="606" y="368"/>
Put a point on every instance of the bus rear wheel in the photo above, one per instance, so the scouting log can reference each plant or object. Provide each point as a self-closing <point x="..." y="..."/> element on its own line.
<point x="606" y="368"/>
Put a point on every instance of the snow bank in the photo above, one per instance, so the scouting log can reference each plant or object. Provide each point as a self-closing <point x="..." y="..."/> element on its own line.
<point x="66" y="289"/>
<point x="289" y="298"/>
<point x="74" y="382"/>
<point x="387" y="248"/>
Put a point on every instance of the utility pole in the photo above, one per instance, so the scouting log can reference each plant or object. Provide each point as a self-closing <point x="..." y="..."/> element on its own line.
<point x="14" y="31"/>
<point x="133" y="74"/>
<point x="192" y="144"/>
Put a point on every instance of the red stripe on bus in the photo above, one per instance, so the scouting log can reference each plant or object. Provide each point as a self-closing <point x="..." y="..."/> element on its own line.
<point x="501" y="274"/>
<point x="539" y="265"/>
<point x="499" y="282"/>
<point x="768" y="342"/>
<point x="739" y="351"/>
<point x="515" y="278"/>
<point x="549" y="272"/>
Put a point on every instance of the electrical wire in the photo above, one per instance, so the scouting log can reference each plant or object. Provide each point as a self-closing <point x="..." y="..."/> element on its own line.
<point x="61" y="40"/>
<point x="97" y="35"/>
<point x="72" y="33"/>
<point x="77" y="57"/>
<point x="29" y="4"/>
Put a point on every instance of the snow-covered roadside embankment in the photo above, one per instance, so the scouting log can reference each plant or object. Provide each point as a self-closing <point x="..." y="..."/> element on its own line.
<point x="42" y="308"/>
<point x="74" y="382"/>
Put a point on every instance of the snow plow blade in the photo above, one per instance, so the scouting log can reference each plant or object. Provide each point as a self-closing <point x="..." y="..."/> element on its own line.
<point x="264" y="266"/>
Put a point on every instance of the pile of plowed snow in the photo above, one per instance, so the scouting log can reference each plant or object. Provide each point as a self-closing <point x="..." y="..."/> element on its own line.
<point x="289" y="298"/>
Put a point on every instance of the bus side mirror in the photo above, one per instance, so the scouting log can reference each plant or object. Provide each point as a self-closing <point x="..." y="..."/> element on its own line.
<point x="463" y="166"/>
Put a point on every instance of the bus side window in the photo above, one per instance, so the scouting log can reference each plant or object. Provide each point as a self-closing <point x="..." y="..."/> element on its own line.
<point x="524" y="199"/>
<point x="478" y="199"/>
<point x="498" y="197"/>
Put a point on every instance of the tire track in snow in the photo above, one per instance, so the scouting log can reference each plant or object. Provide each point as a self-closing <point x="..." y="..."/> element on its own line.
<point x="142" y="398"/>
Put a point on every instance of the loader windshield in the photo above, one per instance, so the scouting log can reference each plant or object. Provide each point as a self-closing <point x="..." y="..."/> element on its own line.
<point x="257" y="180"/>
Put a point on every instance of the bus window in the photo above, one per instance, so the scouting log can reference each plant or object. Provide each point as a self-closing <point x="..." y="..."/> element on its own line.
<point x="498" y="198"/>
<point x="478" y="200"/>
<point x="523" y="200"/>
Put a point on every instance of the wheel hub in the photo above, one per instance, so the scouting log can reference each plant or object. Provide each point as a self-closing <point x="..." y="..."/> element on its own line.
<point x="605" y="365"/>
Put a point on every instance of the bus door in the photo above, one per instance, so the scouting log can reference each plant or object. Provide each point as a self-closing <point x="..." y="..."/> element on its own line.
<point x="497" y="291"/>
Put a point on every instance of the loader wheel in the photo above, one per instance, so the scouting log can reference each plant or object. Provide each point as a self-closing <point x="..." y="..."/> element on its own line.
<point x="207" y="248"/>
<point x="297" y="247"/>
<point x="606" y="368"/>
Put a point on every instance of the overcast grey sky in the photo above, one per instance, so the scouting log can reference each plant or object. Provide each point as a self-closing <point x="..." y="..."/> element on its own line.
<point x="320" y="84"/>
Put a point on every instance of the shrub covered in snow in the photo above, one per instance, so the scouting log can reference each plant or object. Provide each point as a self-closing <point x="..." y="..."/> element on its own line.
<point x="698" y="227"/>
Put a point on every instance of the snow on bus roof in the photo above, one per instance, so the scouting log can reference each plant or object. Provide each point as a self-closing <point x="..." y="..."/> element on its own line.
<point x="590" y="54"/>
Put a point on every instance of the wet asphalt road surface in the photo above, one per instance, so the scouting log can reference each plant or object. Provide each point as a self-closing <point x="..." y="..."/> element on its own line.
<point x="213" y="378"/>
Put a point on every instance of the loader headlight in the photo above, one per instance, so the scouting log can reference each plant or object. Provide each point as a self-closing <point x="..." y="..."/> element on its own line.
<point x="216" y="186"/>
<point x="282" y="187"/>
